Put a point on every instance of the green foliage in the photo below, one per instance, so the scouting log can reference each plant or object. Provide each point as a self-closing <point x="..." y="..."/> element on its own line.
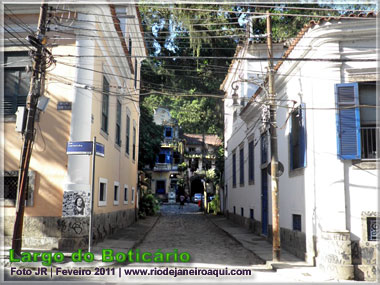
<point x="215" y="204"/>
<point x="149" y="205"/>
<point x="150" y="138"/>
<point x="182" y="166"/>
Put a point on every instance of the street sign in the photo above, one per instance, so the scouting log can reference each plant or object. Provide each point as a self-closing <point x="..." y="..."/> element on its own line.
<point x="99" y="149"/>
<point x="280" y="169"/>
<point x="81" y="148"/>
<point x="84" y="148"/>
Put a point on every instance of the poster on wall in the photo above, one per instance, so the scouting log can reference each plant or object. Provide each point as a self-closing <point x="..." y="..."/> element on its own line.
<point x="76" y="204"/>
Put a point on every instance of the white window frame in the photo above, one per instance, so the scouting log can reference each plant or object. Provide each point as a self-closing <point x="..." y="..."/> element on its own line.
<point x="116" y="183"/>
<point x="104" y="181"/>
<point x="133" y="195"/>
<point x="125" y="196"/>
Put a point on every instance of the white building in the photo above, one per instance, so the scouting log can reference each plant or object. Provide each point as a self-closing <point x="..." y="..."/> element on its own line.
<point x="326" y="127"/>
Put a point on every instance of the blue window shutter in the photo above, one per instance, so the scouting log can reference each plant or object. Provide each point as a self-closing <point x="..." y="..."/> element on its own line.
<point x="303" y="136"/>
<point x="348" y="121"/>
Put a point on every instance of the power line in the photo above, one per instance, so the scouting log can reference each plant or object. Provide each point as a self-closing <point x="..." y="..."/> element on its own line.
<point x="260" y="13"/>
<point x="229" y="57"/>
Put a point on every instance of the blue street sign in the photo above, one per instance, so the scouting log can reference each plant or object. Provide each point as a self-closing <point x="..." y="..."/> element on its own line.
<point x="99" y="150"/>
<point x="81" y="148"/>
<point x="84" y="148"/>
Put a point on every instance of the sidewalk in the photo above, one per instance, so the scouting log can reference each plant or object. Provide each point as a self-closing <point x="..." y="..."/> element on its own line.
<point x="121" y="241"/>
<point x="289" y="265"/>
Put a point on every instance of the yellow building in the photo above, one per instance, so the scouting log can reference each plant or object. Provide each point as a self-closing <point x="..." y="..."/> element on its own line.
<point x="94" y="92"/>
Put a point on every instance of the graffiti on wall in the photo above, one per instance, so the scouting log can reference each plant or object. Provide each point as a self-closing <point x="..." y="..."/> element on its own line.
<point x="76" y="204"/>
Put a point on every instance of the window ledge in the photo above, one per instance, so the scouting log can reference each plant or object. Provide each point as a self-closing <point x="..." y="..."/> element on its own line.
<point x="365" y="165"/>
<point x="125" y="202"/>
<point x="102" y="203"/>
<point x="104" y="134"/>
<point x="251" y="182"/>
<point x="115" y="203"/>
<point x="9" y="119"/>
<point x="118" y="147"/>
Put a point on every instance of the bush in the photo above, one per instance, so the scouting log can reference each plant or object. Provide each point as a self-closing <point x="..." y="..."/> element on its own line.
<point x="214" y="204"/>
<point x="149" y="205"/>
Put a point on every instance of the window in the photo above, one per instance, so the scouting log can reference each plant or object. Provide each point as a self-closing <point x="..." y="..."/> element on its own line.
<point x="264" y="148"/>
<point x="241" y="166"/>
<point x="161" y="158"/>
<point x="130" y="45"/>
<point x="105" y="105"/>
<point x="356" y="127"/>
<point x="118" y="123"/>
<point x="102" y="192"/>
<point x="125" y="194"/>
<point x="234" y="210"/>
<point x="168" y="132"/>
<point x="251" y="214"/>
<point x="176" y="157"/>
<point x="134" y="144"/>
<point x="160" y="187"/>
<point x="242" y="211"/>
<point x="373" y="229"/>
<point x="191" y="149"/>
<point x="11" y="188"/>
<point x="16" y="81"/>
<point x="296" y="222"/>
<point x="194" y="164"/>
<point x="297" y="138"/>
<point x="116" y="187"/>
<point x="127" y="134"/>
<point x="136" y="66"/>
<point x="251" y="160"/>
<point x="234" y="170"/>
<point x="133" y="195"/>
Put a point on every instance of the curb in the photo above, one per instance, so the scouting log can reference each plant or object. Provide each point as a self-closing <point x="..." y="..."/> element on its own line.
<point x="267" y="263"/>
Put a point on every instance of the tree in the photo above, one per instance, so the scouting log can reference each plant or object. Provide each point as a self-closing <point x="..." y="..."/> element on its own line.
<point x="150" y="138"/>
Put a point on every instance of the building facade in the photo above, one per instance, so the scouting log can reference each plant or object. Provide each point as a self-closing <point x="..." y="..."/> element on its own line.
<point x="327" y="134"/>
<point x="93" y="89"/>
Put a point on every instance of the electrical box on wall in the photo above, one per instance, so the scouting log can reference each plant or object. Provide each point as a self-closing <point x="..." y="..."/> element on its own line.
<point x="20" y="119"/>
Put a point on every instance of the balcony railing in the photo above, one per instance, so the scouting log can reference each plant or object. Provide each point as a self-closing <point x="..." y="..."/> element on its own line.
<point x="369" y="135"/>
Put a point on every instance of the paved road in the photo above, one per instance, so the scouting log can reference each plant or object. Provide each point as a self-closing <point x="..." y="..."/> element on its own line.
<point x="188" y="230"/>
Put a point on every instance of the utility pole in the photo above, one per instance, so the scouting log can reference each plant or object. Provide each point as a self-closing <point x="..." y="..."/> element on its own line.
<point x="35" y="91"/>
<point x="273" y="147"/>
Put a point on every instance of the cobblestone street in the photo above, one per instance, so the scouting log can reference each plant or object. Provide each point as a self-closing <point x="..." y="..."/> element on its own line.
<point x="188" y="230"/>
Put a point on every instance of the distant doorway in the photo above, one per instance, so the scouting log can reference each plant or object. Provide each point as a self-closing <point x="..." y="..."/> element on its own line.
<point x="160" y="187"/>
<point x="196" y="186"/>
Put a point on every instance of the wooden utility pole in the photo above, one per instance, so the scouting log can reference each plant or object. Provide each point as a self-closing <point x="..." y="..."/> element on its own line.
<point x="273" y="147"/>
<point x="35" y="91"/>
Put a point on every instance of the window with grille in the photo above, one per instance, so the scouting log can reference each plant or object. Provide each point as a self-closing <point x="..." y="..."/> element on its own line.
<point x="11" y="188"/>
<point x="373" y="229"/>
<point x="16" y="81"/>
<point x="356" y="120"/>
